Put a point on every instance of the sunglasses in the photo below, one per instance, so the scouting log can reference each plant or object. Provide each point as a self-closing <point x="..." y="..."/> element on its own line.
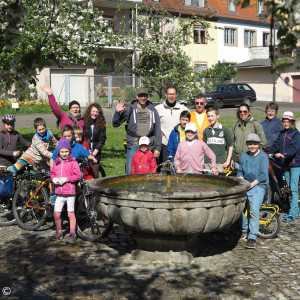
<point x="199" y="103"/>
<point x="243" y="111"/>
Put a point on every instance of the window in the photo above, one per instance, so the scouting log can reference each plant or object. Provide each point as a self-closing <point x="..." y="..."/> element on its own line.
<point x="185" y="34"/>
<point x="266" y="39"/>
<point x="200" y="67"/>
<point x="155" y="23"/>
<point x="109" y="23"/>
<point x="249" y="38"/>
<point x="196" y="3"/>
<point x="200" y="35"/>
<point x="232" y="5"/>
<point x="230" y="37"/>
<point x="109" y="64"/>
<point x="260" y="7"/>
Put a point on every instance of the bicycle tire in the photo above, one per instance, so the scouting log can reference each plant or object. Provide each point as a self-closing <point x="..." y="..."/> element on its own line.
<point x="6" y="213"/>
<point x="269" y="230"/>
<point x="30" y="218"/>
<point x="268" y="196"/>
<point x="91" y="225"/>
<point x="102" y="171"/>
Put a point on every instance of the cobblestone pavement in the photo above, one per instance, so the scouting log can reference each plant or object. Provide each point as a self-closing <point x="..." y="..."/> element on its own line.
<point x="32" y="267"/>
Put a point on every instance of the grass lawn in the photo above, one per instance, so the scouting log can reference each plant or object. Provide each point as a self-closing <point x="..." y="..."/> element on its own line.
<point x="113" y="153"/>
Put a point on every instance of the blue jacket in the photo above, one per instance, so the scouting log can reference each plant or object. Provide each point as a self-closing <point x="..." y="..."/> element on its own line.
<point x="272" y="129"/>
<point x="174" y="140"/>
<point x="288" y="144"/>
<point x="77" y="151"/>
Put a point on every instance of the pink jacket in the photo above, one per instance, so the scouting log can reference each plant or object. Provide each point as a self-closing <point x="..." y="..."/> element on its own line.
<point x="66" y="168"/>
<point x="62" y="116"/>
<point x="143" y="162"/>
<point x="193" y="157"/>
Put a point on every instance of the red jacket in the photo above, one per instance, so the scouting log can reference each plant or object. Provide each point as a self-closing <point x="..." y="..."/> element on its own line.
<point x="88" y="173"/>
<point x="143" y="162"/>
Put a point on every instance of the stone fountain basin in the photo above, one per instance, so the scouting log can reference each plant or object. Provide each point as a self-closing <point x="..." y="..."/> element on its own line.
<point x="171" y="212"/>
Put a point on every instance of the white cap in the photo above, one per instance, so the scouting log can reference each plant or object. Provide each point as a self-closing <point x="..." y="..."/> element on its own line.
<point x="252" y="137"/>
<point x="191" y="127"/>
<point x="288" y="115"/>
<point x="144" y="140"/>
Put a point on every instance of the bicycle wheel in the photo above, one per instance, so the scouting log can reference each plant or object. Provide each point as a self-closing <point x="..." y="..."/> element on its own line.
<point x="101" y="171"/>
<point x="268" y="230"/>
<point x="6" y="214"/>
<point x="30" y="215"/>
<point x="91" y="225"/>
<point x="268" y="195"/>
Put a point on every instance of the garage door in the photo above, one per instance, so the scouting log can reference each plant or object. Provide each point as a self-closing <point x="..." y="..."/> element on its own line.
<point x="296" y="88"/>
<point x="68" y="85"/>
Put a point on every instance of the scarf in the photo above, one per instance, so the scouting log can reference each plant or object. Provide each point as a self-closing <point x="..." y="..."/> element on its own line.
<point x="44" y="138"/>
<point x="73" y="118"/>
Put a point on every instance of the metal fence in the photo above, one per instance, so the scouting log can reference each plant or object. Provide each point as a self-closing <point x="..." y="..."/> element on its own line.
<point x="104" y="89"/>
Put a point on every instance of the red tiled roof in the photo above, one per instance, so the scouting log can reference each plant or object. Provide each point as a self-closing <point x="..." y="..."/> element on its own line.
<point x="217" y="8"/>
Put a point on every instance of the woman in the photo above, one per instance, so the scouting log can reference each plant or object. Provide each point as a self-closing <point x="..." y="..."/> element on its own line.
<point x="287" y="148"/>
<point x="244" y="125"/>
<point x="95" y="132"/>
<point x="71" y="117"/>
<point x="9" y="138"/>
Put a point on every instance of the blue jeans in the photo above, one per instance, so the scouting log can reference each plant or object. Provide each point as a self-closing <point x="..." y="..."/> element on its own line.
<point x="130" y="152"/>
<point x="255" y="198"/>
<point x="292" y="178"/>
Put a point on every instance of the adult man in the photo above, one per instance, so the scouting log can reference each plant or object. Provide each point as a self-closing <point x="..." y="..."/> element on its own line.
<point x="199" y="116"/>
<point x="143" y="120"/>
<point x="169" y="113"/>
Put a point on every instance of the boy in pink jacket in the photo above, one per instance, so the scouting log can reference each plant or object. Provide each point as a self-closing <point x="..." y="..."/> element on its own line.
<point x="143" y="161"/>
<point x="189" y="157"/>
<point x="65" y="173"/>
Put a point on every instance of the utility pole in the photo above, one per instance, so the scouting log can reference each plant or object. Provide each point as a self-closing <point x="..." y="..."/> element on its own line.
<point x="272" y="49"/>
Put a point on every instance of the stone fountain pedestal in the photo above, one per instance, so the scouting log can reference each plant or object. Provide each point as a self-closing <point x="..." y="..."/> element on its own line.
<point x="170" y="220"/>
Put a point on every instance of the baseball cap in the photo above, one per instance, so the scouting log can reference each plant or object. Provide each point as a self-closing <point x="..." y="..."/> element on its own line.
<point x="144" y="140"/>
<point x="191" y="127"/>
<point x="142" y="90"/>
<point x="252" y="137"/>
<point x="288" y="115"/>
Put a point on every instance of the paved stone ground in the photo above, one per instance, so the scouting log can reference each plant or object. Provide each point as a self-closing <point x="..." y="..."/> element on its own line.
<point x="35" y="268"/>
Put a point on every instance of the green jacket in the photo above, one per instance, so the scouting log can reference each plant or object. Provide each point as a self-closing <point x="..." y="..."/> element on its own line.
<point x="240" y="130"/>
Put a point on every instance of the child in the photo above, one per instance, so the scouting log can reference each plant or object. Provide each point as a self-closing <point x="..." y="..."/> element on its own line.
<point x="77" y="149"/>
<point x="189" y="157"/>
<point x="254" y="167"/>
<point x="8" y="141"/>
<point x="65" y="173"/>
<point x="78" y="134"/>
<point x="218" y="138"/>
<point x="287" y="148"/>
<point x="38" y="152"/>
<point x="178" y="135"/>
<point x="143" y="161"/>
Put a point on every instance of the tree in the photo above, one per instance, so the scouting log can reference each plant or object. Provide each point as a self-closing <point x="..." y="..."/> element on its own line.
<point x="35" y="34"/>
<point x="161" y="56"/>
<point x="286" y="15"/>
<point x="220" y="70"/>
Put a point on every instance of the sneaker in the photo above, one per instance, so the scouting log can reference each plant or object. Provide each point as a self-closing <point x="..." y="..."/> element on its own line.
<point x="57" y="236"/>
<point x="244" y="236"/>
<point x="250" y="244"/>
<point x="288" y="218"/>
<point x="72" y="238"/>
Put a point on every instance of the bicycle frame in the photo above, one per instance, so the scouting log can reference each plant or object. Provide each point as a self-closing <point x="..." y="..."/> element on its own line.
<point x="47" y="181"/>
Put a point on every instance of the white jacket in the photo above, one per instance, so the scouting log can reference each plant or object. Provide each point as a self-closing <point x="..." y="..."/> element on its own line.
<point x="169" y="117"/>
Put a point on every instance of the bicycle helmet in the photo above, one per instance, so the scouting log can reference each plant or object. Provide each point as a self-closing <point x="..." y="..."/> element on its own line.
<point x="9" y="118"/>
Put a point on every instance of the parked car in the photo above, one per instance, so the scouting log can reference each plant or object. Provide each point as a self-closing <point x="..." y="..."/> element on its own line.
<point x="230" y="94"/>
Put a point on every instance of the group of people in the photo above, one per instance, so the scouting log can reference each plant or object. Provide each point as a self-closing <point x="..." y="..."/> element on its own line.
<point x="196" y="141"/>
<point x="80" y="137"/>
